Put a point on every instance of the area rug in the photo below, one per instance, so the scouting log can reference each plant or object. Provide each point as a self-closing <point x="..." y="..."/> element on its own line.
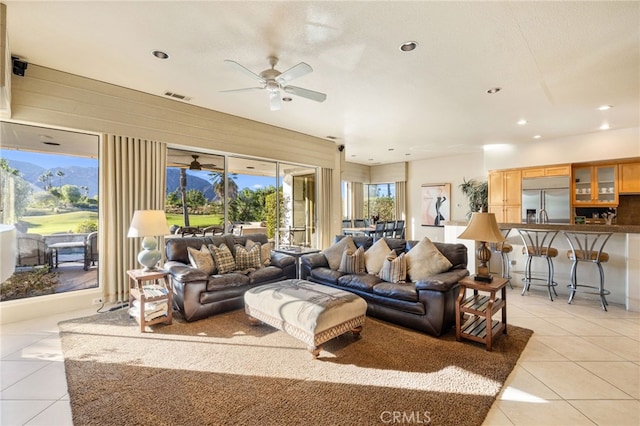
<point x="222" y="370"/>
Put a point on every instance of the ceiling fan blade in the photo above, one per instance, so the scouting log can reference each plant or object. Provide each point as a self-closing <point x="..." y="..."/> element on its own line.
<point x="305" y="93"/>
<point x="274" y="100"/>
<point x="246" y="89"/>
<point x="294" y="72"/>
<point x="245" y="70"/>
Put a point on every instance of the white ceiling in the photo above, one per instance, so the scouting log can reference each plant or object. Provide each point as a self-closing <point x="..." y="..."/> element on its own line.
<point x="556" y="62"/>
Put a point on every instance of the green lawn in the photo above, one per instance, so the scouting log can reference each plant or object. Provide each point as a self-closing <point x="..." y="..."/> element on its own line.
<point x="67" y="222"/>
<point x="62" y="222"/>
<point x="195" y="220"/>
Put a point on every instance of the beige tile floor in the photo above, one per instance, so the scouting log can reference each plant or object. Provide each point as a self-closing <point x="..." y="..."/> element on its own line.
<point x="581" y="367"/>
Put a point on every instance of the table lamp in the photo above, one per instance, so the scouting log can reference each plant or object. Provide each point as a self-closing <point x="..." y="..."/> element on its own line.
<point x="148" y="224"/>
<point x="483" y="228"/>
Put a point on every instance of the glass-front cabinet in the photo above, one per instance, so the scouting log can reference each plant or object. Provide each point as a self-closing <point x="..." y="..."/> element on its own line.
<point x="595" y="185"/>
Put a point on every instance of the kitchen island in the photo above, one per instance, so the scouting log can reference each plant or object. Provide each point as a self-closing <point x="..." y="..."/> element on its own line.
<point x="622" y="271"/>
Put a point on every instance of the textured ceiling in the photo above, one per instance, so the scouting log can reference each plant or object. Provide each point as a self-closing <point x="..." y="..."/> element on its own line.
<point x="555" y="62"/>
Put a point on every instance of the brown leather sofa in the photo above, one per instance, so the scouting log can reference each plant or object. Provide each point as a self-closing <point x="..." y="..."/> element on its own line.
<point x="426" y="305"/>
<point x="198" y="295"/>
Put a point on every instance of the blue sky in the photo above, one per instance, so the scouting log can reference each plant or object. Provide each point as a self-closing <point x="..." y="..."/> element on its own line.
<point x="47" y="160"/>
<point x="52" y="160"/>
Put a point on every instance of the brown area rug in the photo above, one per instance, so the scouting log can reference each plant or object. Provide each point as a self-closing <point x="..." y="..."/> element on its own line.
<point x="222" y="370"/>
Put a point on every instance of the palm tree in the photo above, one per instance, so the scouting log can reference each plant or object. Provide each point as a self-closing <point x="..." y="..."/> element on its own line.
<point x="60" y="174"/>
<point x="217" y="180"/>
<point x="183" y="190"/>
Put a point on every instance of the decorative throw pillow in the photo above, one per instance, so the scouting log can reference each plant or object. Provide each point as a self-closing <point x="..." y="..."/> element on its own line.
<point x="202" y="259"/>
<point x="394" y="268"/>
<point x="334" y="253"/>
<point x="265" y="251"/>
<point x="376" y="254"/>
<point x="224" y="258"/>
<point x="425" y="260"/>
<point x="352" y="262"/>
<point x="248" y="259"/>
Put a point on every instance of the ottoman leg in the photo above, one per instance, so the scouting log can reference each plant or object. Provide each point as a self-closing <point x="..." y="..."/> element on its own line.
<point x="253" y="321"/>
<point x="356" y="331"/>
<point x="315" y="351"/>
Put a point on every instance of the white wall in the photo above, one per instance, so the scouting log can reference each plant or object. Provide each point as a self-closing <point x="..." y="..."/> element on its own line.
<point x="451" y="170"/>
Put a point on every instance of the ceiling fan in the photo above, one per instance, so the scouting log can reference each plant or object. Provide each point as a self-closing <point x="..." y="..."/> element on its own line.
<point x="275" y="81"/>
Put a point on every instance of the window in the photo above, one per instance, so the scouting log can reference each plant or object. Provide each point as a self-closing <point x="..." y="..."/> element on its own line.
<point x="49" y="193"/>
<point x="242" y="196"/>
<point x="380" y="201"/>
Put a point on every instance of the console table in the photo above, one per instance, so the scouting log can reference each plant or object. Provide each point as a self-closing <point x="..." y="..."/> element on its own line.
<point x="481" y="327"/>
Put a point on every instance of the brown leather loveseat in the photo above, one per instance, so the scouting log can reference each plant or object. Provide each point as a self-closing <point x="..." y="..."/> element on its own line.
<point x="198" y="294"/>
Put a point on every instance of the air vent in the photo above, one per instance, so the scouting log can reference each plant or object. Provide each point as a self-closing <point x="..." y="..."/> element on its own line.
<point x="176" y="96"/>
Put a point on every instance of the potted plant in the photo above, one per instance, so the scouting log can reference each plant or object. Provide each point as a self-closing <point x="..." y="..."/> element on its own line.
<point x="478" y="194"/>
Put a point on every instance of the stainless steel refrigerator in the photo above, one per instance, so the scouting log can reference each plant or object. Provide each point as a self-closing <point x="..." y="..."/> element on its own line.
<point x="546" y="200"/>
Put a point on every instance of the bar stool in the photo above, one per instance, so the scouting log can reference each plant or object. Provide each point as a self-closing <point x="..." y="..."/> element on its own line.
<point x="587" y="247"/>
<point x="503" y="249"/>
<point x="537" y="243"/>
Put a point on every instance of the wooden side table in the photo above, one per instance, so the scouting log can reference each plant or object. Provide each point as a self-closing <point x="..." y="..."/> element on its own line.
<point x="144" y="294"/>
<point x="482" y="307"/>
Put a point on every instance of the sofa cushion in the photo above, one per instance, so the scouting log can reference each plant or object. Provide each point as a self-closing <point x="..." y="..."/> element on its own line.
<point x="401" y="291"/>
<point x="352" y="261"/>
<point x="248" y="258"/>
<point x="375" y="256"/>
<point x="202" y="259"/>
<point x="265" y="251"/>
<point x="362" y="282"/>
<point x="394" y="268"/>
<point x="425" y="260"/>
<point x="224" y="258"/>
<point x="334" y="252"/>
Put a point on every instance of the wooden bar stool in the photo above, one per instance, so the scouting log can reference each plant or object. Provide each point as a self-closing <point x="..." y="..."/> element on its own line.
<point x="537" y="243"/>
<point x="503" y="249"/>
<point x="587" y="247"/>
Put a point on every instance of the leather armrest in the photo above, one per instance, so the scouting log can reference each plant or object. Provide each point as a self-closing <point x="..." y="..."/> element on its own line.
<point x="281" y="260"/>
<point x="185" y="273"/>
<point x="314" y="260"/>
<point x="443" y="281"/>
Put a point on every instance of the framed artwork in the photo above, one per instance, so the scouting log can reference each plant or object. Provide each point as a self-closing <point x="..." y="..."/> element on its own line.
<point x="436" y="204"/>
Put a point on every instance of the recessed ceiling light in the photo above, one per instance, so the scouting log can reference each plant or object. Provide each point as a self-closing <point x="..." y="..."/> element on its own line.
<point x="408" y="46"/>
<point x="408" y="153"/>
<point x="604" y="107"/>
<point x="333" y="138"/>
<point x="370" y="159"/>
<point x="390" y="149"/>
<point x="160" y="54"/>
<point x="605" y="126"/>
<point x="522" y="122"/>
<point x="494" y="90"/>
<point x="537" y="136"/>
<point x="287" y="99"/>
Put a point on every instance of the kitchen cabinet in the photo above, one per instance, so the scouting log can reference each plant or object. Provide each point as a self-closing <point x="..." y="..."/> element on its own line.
<point x="595" y="186"/>
<point x="505" y="192"/>
<point x="561" y="170"/>
<point x="629" y="177"/>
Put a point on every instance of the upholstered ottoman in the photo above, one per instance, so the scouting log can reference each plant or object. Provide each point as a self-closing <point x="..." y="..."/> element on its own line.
<point x="310" y="312"/>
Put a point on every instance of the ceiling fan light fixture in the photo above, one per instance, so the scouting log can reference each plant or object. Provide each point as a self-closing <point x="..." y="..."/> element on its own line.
<point x="494" y="90"/>
<point x="287" y="99"/>
<point x="194" y="164"/>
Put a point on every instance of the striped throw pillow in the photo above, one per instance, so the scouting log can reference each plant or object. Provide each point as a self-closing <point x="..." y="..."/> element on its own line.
<point x="224" y="258"/>
<point x="394" y="268"/>
<point x="352" y="261"/>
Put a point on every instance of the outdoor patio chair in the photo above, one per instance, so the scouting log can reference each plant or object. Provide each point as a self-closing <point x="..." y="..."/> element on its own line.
<point x="32" y="250"/>
<point x="91" y="250"/>
<point x="213" y="230"/>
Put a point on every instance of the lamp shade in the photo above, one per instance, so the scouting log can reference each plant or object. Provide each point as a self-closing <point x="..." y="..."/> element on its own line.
<point x="483" y="227"/>
<point x="148" y="223"/>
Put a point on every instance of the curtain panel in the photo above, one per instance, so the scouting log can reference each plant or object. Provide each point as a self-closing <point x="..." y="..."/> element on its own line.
<point x="325" y="234"/>
<point x="132" y="177"/>
<point x="357" y="200"/>
<point x="401" y="201"/>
